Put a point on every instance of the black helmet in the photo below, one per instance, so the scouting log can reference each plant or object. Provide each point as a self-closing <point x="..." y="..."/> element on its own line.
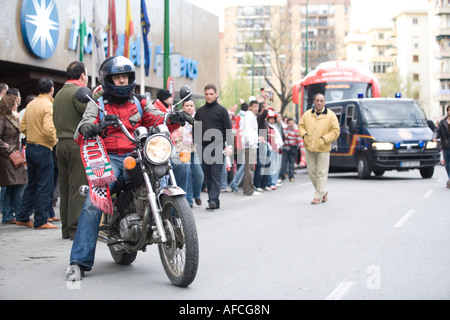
<point x="113" y="66"/>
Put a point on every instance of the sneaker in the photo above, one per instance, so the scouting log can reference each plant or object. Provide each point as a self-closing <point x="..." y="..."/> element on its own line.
<point x="259" y="189"/>
<point x="235" y="190"/>
<point x="74" y="273"/>
<point x="268" y="188"/>
<point x="278" y="185"/>
<point x="273" y="188"/>
<point x="255" y="193"/>
<point x="227" y="189"/>
<point x="291" y="179"/>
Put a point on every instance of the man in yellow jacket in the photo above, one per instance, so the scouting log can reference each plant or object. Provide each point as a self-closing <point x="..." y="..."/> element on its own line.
<point x="37" y="125"/>
<point x="319" y="127"/>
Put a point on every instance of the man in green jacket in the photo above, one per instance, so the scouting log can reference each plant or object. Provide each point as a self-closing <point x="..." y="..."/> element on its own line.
<point x="319" y="127"/>
<point x="67" y="114"/>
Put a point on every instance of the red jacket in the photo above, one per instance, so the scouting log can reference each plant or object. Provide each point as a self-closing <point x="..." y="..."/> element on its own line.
<point x="115" y="140"/>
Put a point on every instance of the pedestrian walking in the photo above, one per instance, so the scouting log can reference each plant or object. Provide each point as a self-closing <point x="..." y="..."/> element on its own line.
<point x="443" y="132"/>
<point x="319" y="127"/>
<point x="215" y="122"/>
<point x="37" y="125"/>
<point x="67" y="113"/>
<point x="12" y="179"/>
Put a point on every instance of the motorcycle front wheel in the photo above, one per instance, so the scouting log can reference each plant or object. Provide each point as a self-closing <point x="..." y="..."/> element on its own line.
<point x="179" y="255"/>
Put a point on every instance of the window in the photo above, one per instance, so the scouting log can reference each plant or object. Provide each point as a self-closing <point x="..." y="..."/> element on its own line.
<point x="349" y="115"/>
<point x="338" y="111"/>
<point x="416" y="58"/>
<point x="416" y="77"/>
<point x="415" y="20"/>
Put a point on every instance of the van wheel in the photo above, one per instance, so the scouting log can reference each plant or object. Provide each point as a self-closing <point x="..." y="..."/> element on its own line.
<point x="363" y="167"/>
<point x="427" y="173"/>
<point x="378" y="172"/>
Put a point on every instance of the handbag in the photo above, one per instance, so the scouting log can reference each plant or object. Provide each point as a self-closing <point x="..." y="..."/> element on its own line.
<point x="17" y="159"/>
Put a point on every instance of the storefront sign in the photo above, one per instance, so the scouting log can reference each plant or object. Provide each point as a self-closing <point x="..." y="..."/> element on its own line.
<point x="40" y="27"/>
<point x="188" y="67"/>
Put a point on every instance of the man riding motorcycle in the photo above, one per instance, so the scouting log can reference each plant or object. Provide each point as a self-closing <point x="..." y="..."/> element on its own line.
<point x="118" y="79"/>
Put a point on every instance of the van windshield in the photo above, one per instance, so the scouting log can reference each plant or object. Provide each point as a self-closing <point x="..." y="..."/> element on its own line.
<point x="392" y="114"/>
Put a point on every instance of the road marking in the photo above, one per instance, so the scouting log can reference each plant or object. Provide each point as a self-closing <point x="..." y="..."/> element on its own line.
<point x="340" y="291"/>
<point x="428" y="194"/>
<point x="404" y="218"/>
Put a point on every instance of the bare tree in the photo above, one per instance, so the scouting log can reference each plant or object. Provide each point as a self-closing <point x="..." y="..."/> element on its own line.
<point x="280" y="65"/>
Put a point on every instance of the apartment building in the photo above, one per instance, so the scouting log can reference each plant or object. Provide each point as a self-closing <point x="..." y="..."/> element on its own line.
<point x="300" y="26"/>
<point x="410" y="37"/>
<point x="439" y="53"/>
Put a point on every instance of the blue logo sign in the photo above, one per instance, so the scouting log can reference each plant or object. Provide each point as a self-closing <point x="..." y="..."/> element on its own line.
<point x="40" y="26"/>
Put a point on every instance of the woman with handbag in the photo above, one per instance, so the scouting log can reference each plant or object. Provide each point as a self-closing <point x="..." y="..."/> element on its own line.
<point x="15" y="178"/>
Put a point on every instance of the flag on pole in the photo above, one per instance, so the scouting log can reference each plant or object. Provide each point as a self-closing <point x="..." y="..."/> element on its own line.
<point x="98" y="26"/>
<point x="113" y="39"/>
<point x="145" y="30"/>
<point x="129" y="30"/>
<point x="82" y="36"/>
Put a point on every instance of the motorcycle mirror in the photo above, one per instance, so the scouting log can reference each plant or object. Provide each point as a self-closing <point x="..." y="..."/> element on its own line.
<point x="84" y="95"/>
<point x="185" y="92"/>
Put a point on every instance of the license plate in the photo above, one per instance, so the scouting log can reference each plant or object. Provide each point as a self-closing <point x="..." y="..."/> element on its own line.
<point x="409" y="164"/>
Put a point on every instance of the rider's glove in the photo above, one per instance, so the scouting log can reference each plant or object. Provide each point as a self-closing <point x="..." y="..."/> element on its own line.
<point x="181" y="118"/>
<point x="187" y="117"/>
<point x="89" y="130"/>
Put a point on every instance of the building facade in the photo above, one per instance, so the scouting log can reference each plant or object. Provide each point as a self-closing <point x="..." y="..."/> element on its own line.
<point x="40" y="38"/>
<point x="303" y="28"/>
<point x="439" y="53"/>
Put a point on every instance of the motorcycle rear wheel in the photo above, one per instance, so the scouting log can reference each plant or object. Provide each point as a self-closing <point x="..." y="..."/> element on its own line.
<point x="180" y="254"/>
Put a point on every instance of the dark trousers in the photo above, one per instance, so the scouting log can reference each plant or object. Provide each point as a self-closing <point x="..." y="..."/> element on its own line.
<point x="72" y="176"/>
<point x="288" y="161"/>
<point x="38" y="193"/>
<point x="213" y="178"/>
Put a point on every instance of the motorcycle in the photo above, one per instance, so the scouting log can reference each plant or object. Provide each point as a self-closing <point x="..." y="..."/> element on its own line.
<point x="150" y="208"/>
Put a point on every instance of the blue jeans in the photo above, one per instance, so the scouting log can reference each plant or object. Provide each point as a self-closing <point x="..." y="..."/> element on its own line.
<point x="12" y="201"/>
<point x="181" y="171"/>
<point x="39" y="190"/>
<point x="196" y="178"/>
<point x="288" y="161"/>
<point x="446" y="154"/>
<point x="84" y="244"/>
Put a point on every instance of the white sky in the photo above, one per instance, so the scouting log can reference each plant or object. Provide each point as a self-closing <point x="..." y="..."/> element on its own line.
<point x="366" y="14"/>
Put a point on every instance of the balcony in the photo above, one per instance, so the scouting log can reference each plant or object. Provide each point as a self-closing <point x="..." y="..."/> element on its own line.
<point x="441" y="32"/>
<point x="441" y="10"/>
<point x="442" y="95"/>
<point x="441" y="75"/>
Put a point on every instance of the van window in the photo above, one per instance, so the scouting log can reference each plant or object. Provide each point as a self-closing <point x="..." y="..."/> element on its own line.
<point x="349" y="115"/>
<point x="392" y="114"/>
<point x="338" y="111"/>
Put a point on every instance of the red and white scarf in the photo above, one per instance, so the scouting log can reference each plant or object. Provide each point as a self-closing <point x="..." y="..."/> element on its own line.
<point x="99" y="173"/>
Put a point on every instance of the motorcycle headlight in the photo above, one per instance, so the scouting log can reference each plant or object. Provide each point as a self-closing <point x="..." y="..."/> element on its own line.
<point x="158" y="149"/>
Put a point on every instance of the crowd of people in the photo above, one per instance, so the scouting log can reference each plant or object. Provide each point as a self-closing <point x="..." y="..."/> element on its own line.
<point x="260" y="151"/>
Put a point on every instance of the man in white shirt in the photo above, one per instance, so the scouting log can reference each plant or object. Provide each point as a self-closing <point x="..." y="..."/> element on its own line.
<point x="250" y="146"/>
